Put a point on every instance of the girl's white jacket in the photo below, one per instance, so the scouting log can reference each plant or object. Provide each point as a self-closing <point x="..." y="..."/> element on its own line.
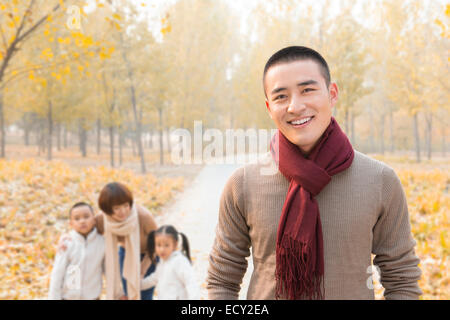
<point x="77" y="271"/>
<point x="174" y="279"/>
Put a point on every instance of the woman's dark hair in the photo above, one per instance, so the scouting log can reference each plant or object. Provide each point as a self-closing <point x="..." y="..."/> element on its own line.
<point x="113" y="194"/>
<point x="171" y="231"/>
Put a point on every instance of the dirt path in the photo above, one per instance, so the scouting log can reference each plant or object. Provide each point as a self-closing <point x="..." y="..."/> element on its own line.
<point x="195" y="213"/>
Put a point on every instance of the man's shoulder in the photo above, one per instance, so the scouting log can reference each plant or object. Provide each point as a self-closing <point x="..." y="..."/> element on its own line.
<point x="371" y="169"/>
<point x="363" y="162"/>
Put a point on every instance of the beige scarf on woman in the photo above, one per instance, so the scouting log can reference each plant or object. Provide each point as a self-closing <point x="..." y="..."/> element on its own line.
<point x="129" y="229"/>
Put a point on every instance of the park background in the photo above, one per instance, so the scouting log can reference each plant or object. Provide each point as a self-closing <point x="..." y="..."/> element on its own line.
<point x="90" y="92"/>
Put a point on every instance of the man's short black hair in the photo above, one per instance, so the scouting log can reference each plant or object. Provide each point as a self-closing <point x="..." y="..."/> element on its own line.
<point x="80" y="204"/>
<point x="294" y="53"/>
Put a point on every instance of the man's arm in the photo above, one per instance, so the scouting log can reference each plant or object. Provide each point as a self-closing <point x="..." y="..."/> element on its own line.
<point x="393" y="244"/>
<point x="227" y="263"/>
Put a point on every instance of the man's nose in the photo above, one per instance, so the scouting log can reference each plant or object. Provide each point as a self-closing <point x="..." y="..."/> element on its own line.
<point x="296" y="104"/>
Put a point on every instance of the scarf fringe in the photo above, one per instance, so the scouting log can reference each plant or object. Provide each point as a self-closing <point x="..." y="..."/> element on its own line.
<point x="296" y="274"/>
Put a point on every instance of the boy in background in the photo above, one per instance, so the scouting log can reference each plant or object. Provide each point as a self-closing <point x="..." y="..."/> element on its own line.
<point x="77" y="271"/>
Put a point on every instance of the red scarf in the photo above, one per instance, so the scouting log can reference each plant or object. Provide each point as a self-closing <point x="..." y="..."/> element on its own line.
<point x="299" y="252"/>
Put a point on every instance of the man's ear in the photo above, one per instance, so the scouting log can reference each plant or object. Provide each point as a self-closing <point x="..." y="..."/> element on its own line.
<point x="268" y="109"/>
<point x="334" y="93"/>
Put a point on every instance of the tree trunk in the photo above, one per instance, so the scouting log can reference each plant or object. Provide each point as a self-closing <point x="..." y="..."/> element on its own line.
<point x="50" y="130"/>
<point x="137" y="121"/>
<point x="169" y="147"/>
<point x="352" y="128"/>
<point x="371" y="132"/>
<point x="120" y="145"/>
<point x="65" y="137"/>
<point x="83" y="139"/>
<point x="383" y="118"/>
<point x="111" y="145"/>
<point x="58" y="136"/>
<point x="429" y="122"/>
<point x="99" y="135"/>
<point x="138" y="125"/>
<point x="150" y="140"/>
<point x="416" y="136"/>
<point x="2" y="128"/>
<point x="391" y="132"/>
<point x="133" y="146"/>
<point x="444" y="143"/>
<point x="346" y="122"/>
<point x="41" y="135"/>
<point x="26" y="136"/>
<point x="26" y="128"/>
<point x="161" y="142"/>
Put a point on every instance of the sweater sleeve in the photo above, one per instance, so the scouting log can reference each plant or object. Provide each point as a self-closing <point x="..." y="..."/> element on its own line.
<point x="393" y="244"/>
<point x="185" y="273"/>
<point x="150" y="281"/>
<point x="57" y="276"/>
<point x="227" y="259"/>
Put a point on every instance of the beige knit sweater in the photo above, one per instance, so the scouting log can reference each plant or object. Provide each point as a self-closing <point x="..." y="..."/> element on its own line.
<point x="363" y="210"/>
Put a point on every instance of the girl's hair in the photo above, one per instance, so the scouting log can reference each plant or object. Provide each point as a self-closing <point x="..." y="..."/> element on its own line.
<point x="170" y="231"/>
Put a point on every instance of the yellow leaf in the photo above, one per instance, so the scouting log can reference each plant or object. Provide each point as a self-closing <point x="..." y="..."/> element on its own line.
<point x="116" y="16"/>
<point x="87" y="41"/>
<point x="47" y="53"/>
<point x="103" y="56"/>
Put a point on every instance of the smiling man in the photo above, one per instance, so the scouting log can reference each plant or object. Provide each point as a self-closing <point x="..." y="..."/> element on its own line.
<point x="314" y="224"/>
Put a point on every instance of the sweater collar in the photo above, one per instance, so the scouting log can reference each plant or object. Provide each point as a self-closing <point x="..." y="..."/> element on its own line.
<point x="80" y="238"/>
<point x="173" y="255"/>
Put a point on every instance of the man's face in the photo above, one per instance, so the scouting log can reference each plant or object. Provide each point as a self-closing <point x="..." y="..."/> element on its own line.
<point x="297" y="92"/>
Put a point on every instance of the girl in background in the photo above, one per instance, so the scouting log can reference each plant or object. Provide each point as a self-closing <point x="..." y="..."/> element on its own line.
<point x="174" y="276"/>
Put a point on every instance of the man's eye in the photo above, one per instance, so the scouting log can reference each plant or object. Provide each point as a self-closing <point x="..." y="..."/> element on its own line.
<point x="281" y="96"/>
<point x="308" y="89"/>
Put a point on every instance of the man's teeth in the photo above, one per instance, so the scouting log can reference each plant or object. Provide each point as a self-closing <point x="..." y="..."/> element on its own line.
<point x="301" y="121"/>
